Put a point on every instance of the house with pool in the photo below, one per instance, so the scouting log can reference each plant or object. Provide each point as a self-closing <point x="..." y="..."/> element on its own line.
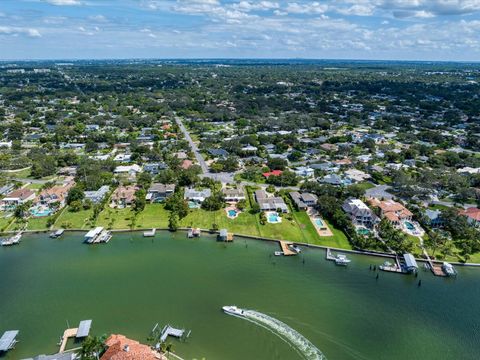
<point x="52" y="199"/>
<point x="196" y="197"/>
<point x="303" y="200"/>
<point x="15" y="198"/>
<point x="398" y="215"/>
<point x="270" y="203"/>
<point x="233" y="195"/>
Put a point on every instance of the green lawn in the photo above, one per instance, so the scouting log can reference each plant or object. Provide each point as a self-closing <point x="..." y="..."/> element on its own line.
<point x="32" y="186"/>
<point x="74" y="220"/>
<point x="153" y="216"/>
<point x="365" y="185"/>
<point x="4" y="221"/>
<point x="115" y="218"/>
<point x="38" y="223"/>
<point x="23" y="174"/>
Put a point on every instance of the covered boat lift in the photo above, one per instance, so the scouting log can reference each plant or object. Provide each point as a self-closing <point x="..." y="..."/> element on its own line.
<point x="83" y="328"/>
<point x="8" y="340"/>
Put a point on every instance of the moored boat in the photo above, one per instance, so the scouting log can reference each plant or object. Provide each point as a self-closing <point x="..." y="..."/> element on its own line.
<point x="342" y="260"/>
<point x="448" y="269"/>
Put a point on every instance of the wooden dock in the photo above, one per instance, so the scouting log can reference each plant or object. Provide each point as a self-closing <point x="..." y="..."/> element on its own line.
<point x="286" y="249"/>
<point x="67" y="334"/>
<point x="437" y="270"/>
<point x="328" y="255"/>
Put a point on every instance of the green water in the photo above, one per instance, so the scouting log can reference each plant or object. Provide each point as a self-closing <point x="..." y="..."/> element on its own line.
<point x="131" y="283"/>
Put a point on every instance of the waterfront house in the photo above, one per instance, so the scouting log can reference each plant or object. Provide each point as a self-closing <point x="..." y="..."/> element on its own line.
<point x="97" y="195"/>
<point x="473" y="216"/>
<point x="197" y="196"/>
<point x="270" y="203"/>
<point x="55" y="195"/>
<point x="159" y="192"/>
<point x="359" y="212"/>
<point x="233" y="195"/>
<point x="17" y="197"/>
<point x="303" y="200"/>
<point x="119" y="347"/>
<point x="123" y="196"/>
<point x="393" y="211"/>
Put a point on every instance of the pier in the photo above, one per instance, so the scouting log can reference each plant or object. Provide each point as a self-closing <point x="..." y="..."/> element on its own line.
<point x="396" y="268"/>
<point x="437" y="270"/>
<point x="14" y="240"/>
<point x="97" y="235"/>
<point x="328" y="255"/>
<point x="161" y="335"/>
<point x="67" y="334"/>
<point x="286" y="249"/>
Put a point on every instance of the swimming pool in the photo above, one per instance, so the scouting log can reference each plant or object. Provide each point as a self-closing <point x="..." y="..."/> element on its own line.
<point x="363" y="231"/>
<point x="319" y="222"/>
<point x="273" y="218"/>
<point x="193" y="205"/>
<point x="409" y="225"/>
<point x="232" y="213"/>
<point x="41" y="211"/>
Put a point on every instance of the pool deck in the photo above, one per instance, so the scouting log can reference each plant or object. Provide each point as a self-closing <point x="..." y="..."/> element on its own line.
<point x="325" y="230"/>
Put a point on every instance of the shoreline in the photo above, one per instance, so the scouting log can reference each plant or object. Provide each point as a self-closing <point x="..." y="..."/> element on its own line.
<point x="252" y="237"/>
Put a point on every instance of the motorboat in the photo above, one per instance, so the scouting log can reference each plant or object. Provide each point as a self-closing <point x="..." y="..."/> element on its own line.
<point x="448" y="269"/>
<point x="57" y="234"/>
<point x="295" y="249"/>
<point x="233" y="310"/>
<point x="342" y="260"/>
<point x="278" y="253"/>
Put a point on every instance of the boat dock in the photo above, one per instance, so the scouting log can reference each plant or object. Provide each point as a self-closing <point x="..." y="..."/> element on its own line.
<point x="436" y="269"/>
<point x="13" y="240"/>
<point x="97" y="235"/>
<point x="150" y="233"/>
<point x="82" y="331"/>
<point x="8" y="340"/>
<point x="171" y="331"/>
<point x="286" y="248"/>
<point x="224" y="235"/>
<point x="57" y="233"/>
<point x="194" y="232"/>
<point x="396" y="268"/>
<point x="66" y="335"/>
<point x="328" y="255"/>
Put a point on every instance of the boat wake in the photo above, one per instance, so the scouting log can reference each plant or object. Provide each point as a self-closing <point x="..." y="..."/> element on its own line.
<point x="302" y="345"/>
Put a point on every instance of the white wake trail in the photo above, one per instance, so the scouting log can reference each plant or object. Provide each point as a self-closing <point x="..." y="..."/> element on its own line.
<point x="303" y="346"/>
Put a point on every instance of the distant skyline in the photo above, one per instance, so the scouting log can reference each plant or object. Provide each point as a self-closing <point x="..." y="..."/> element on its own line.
<point x="441" y="30"/>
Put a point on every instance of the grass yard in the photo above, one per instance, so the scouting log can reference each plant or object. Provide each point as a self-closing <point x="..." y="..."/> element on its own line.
<point x="153" y="216"/>
<point x="115" y="218"/>
<point x="22" y="174"/>
<point x="365" y="185"/>
<point x="38" y="223"/>
<point x="74" y="220"/>
<point x="4" y="221"/>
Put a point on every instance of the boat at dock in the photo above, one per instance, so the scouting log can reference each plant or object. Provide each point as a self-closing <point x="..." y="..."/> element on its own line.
<point x="278" y="253"/>
<point x="193" y="232"/>
<point x="13" y="240"/>
<point x="57" y="234"/>
<point x="295" y="248"/>
<point x="339" y="259"/>
<point x="342" y="260"/>
<point x="448" y="269"/>
<point x="8" y="340"/>
<point x="97" y="235"/>
<point x="150" y="233"/>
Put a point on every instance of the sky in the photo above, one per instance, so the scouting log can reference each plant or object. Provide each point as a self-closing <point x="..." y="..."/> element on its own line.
<point x="441" y="30"/>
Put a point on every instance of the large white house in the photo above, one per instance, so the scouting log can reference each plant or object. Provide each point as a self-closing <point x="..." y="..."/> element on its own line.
<point x="359" y="212"/>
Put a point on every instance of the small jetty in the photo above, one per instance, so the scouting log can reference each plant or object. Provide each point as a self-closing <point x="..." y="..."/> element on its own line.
<point x="57" y="234"/>
<point x="224" y="235"/>
<point x="407" y="266"/>
<point x="171" y="331"/>
<point x="339" y="259"/>
<point x="8" y="340"/>
<point x="193" y="232"/>
<point x="161" y="335"/>
<point x="287" y="249"/>
<point x="81" y="332"/>
<point x="97" y="235"/>
<point x="13" y="240"/>
<point x="150" y="233"/>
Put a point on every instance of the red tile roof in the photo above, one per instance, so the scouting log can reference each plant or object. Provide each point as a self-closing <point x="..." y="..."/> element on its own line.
<point x="123" y="348"/>
<point x="273" y="173"/>
<point x="473" y="213"/>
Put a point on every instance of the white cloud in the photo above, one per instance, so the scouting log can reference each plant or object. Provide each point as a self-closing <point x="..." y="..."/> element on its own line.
<point x="15" y="31"/>
<point x="307" y="8"/>
<point x="63" y="2"/>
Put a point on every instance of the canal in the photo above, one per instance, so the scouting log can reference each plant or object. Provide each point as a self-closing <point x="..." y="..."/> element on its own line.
<point x="131" y="283"/>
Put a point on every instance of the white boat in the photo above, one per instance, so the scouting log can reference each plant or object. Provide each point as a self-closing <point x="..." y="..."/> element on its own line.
<point x="150" y="233"/>
<point x="295" y="249"/>
<point x="278" y="253"/>
<point x="104" y="236"/>
<point x="342" y="260"/>
<point x="448" y="269"/>
<point x="57" y="234"/>
<point x="233" y="310"/>
<point x="14" y="240"/>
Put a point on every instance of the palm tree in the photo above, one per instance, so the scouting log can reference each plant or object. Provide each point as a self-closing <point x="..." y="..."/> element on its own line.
<point x="92" y="347"/>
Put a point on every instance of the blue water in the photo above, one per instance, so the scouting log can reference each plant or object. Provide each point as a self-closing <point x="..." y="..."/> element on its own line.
<point x="409" y="225"/>
<point x="232" y="213"/>
<point x="41" y="212"/>
<point x="319" y="222"/>
<point x="273" y="218"/>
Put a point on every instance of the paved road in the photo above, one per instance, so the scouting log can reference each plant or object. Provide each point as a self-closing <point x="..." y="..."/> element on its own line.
<point x="193" y="146"/>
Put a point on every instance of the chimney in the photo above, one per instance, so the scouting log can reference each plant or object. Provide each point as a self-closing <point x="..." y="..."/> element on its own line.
<point x="126" y="348"/>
